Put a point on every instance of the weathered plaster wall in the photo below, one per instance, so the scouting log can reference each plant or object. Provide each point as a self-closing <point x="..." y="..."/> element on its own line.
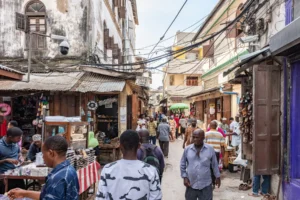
<point x="81" y="21"/>
<point x="63" y="17"/>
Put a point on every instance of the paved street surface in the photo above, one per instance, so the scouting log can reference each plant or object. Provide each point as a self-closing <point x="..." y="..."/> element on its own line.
<point x="173" y="188"/>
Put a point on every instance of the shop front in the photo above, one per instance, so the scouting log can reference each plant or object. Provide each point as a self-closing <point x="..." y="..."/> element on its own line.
<point x="211" y="105"/>
<point x="288" y="48"/>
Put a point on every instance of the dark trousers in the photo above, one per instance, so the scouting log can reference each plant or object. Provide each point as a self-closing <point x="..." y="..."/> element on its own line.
<point x="12" y="184"/>
<point x="152" y="139"/>
<point x="213" y="178"/>
<point x="164" y="145"/>
<point x="204" y="194"/>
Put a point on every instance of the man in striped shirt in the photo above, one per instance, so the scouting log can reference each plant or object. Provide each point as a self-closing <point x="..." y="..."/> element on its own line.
<point x="216" y="140"/>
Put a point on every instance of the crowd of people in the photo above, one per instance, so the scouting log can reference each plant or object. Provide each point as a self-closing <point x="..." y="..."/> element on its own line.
<point x="138" y="175"/>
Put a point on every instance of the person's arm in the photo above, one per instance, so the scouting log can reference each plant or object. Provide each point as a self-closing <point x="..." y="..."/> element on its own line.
<point x="215" y="167"/>
<point x="102" y="187"/>
<point x="31" y="153"/>
<point x="19" y="193"/>
<point x="185" y="138"/>
<point x="183" y="166"/>
<point x="222" y="132"/>
<point x="160" y="156"/>
<point x="155" y="188"/>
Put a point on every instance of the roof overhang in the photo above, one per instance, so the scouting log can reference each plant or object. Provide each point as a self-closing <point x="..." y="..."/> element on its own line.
<point x="204" y="92"/>
<point x="287" y="41"/>
<point x="249" y="60"/>
<point x="211" y="15"/>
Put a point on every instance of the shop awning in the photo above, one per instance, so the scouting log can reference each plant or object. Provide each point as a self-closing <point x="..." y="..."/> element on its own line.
<point x="91" y="82"/>
<point x="287" y="41"/>
<point x="249" y="59"/>
<point x="204" y="92"/>
<point x="55" y="81"/>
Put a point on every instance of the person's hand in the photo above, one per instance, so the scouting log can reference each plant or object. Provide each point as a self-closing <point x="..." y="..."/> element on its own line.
<point x="218" y="182"/>
<point x="16" y="193"/>
<point x="186" y="182"/>
<point x="12" y="161"/>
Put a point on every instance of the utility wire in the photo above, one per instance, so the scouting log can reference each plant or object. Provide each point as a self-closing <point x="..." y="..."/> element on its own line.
<point x="168" y="27"/>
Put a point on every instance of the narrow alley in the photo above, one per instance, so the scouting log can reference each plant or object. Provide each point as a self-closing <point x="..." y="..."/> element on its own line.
<point x="173" y="188"/>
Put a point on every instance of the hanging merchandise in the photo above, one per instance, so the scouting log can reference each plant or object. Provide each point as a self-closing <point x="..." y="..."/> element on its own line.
<point x="107" y="101"/>
<point x="92" y="105"/>
<point x="5" y="109"/>
<point x="212" y="109"/>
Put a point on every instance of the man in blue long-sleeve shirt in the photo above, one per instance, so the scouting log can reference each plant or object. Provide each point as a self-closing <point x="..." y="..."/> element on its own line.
<point x="196" y="162"/>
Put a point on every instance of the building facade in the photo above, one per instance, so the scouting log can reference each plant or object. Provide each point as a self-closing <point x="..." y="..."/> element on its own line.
<point x="183" y="74"/>
<point x="97" y="31"/>
<point x="220" y="95"/>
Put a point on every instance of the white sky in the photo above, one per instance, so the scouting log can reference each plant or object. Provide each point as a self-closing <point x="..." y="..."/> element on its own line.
<point x="156" y="15"/>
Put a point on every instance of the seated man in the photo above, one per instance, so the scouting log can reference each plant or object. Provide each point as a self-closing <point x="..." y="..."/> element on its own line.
<point x="35" y="147"/>
<point x="62" y="183"/>
<point x="10" y="156"/>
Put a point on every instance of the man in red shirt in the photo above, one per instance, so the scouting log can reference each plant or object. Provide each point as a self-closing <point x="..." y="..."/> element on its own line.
<point x="177" y="124"/>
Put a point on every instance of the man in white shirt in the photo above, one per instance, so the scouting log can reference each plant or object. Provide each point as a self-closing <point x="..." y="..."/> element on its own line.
<point x="234" y="132"/>
<point x="129" y="178"/>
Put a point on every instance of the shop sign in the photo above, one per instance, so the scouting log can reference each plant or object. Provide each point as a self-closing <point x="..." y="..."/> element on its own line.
<point x="123" y="115"/>
<point x="142" y="81"/>
<point x="212" y="109"/>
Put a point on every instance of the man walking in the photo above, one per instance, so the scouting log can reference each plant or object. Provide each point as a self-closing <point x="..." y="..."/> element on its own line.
<point x="188" y="134"/>
<point x="129" y="178"/>
<point x="152" y="126"/>
<point x="150" y="153"/>
<point x="164" y="132"/>
<point x="217" y="141"/>
<point x="195" y="166"/>
<point x="183" y="125"/>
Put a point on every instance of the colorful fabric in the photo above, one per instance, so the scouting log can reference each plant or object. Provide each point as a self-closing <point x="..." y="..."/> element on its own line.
<point x="129" y="179"/>
<point x="215" y="139"/>
<point x="61" y="183"/>
<point x="88" y="176"/>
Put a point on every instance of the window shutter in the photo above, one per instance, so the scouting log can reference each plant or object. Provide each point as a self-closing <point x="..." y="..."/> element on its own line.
<point x="116" y="3"/>
<point x="208" y="50"/>
<point x="121" y="58"/>
<point x="266" y="135"/>
<point x="21" y="22"/>
<point x="115" y="51"/>
<point x="106" y="36"/>
<point x="231" y="32"/>
<point x="110" y="43"/>
<point x="122" y="12"/>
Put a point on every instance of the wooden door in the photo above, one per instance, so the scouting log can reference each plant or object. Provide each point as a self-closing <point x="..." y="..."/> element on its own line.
<point x="266" y="136"/>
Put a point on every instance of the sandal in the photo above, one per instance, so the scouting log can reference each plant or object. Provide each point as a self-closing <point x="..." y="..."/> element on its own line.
<point x="246" y="187"/>
<point x="268" y="197"/>
<point x="254" y="195"/>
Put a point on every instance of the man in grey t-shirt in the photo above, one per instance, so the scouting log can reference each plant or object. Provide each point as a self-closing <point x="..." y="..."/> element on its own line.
<point x="163" y="136"/>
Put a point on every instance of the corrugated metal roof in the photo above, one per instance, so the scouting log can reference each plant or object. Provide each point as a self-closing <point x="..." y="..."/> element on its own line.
<point x="10" y="69"/>
<point x="99" y="83"/>
<point x="54" y="81"/>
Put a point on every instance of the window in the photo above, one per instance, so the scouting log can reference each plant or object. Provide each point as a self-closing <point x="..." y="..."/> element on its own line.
<point x="208" y="49"/>
<point x="106" y="41"/>
<point x="171" y="80"/>
<point x="36" y="20"/>
<point x="192" y="81"/>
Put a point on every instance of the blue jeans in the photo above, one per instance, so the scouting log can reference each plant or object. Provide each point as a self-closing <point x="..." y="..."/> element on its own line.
<point x="265" y="186"/>
<point x="153" y="139"/>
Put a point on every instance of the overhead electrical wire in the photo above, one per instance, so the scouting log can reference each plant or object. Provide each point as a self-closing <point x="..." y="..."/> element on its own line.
<point x="163" y="36"/>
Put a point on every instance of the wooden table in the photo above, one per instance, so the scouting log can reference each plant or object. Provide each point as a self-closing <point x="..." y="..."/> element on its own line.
<point x="6" y="177"/>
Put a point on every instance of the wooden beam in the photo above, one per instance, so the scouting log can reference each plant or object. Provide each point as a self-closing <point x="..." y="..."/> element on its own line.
<point x="11" y="74"/>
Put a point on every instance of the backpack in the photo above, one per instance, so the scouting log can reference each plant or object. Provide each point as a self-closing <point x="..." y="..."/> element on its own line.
<point x="150" y="157"/>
